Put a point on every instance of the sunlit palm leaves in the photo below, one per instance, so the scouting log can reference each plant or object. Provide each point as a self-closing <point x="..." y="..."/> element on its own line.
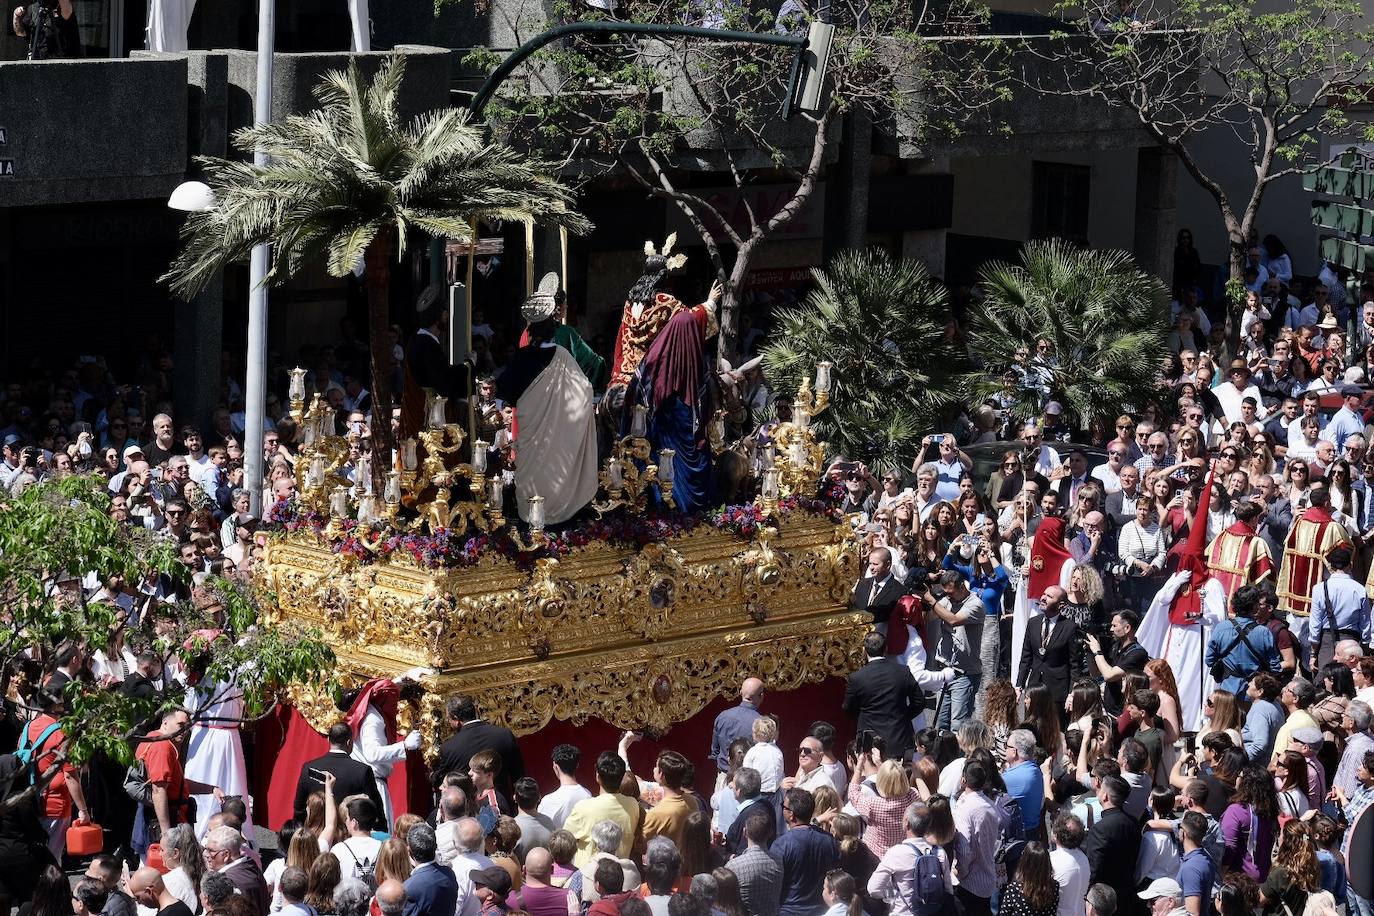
<point x="881" y="323"/>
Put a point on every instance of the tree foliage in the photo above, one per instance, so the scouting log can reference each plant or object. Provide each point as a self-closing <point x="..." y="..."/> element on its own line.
<point x="662" y="111"/>
<point x="1271" y="81"/>
<point x="1107" y="320"/>
<point x="352" y="178"/>
<point x="881" y="323"/>
<point x="56" y="534"/>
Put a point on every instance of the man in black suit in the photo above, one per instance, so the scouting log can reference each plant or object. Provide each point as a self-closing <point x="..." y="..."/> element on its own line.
<point x="1050" y="654"/>
<point x="885" y="698"/>
<point x="878" y="591"/>
<point x="351" y="777"/>
<point x="473" y="734"/>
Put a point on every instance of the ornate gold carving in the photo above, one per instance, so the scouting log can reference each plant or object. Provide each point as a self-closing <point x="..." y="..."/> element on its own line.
<point x="641" y="638"/>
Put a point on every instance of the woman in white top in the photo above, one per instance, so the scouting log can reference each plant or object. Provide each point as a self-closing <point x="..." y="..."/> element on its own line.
<point x="1141" y="546"/>
<point x="181" y="854"/>
<point x="973" y="734"/>
<point x="1290" y="782"/>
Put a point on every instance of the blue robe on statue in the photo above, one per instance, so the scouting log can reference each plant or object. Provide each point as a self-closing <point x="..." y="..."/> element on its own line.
<point x="675" y="382"/>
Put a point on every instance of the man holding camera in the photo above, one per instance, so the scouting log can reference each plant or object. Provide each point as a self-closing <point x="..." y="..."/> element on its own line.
<point x="50" y="27"/>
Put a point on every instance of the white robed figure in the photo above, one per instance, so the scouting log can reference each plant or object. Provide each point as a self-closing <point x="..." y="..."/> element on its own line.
<point x="214" y="752"/>
<point x="1183" y="645"/>
<point x="1181" y="616"/>
<point x="555" y="446"/>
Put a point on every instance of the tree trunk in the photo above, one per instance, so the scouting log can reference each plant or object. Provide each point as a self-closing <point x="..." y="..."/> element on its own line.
<point x="377" y="278"/>
<point x="1235" y="302"/>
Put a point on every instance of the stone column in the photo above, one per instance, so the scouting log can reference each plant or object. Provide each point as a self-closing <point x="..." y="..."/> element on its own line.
<point x="846" y="195"/>
<point x="1156" y="213"/>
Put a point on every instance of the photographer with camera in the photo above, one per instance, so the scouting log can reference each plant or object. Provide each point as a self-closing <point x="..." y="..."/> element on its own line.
<point x="50" y="26"/>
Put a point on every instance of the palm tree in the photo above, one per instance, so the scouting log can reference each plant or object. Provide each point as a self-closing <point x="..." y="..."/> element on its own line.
<point x="881" y="323"/>
<point x="349" y="182"/>
<point x="1106" y="318"/>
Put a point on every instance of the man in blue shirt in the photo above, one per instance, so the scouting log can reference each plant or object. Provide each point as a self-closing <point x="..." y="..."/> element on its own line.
<point x="1241" y="644"/>
<point x="736" y="722"/>
<point x="1340" y="610"/>
<point x="1024" y="780"/>
<point x="1348" y="420"/>
<point x="806" y="854"/>
<point x="1196" y="872"/>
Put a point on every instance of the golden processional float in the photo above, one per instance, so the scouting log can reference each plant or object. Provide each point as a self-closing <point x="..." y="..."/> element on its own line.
<point x="639" y="617"/>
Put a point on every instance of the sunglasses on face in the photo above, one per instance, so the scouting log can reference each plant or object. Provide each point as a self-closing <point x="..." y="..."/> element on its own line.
<point x="1299" y="470"/>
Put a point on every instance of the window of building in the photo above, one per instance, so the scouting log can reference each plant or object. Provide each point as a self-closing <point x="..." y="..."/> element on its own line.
<point x="1059" y="206"/>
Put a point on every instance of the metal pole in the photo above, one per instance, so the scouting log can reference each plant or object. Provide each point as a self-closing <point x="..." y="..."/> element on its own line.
<point x="256" y="381"/>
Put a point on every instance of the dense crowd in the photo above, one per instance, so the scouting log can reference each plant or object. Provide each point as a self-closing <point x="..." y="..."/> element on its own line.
<point x="1128" y="670"/>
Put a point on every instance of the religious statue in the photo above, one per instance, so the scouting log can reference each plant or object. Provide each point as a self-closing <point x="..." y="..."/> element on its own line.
<point x="566" y="336"/>
<point x="553" y="402"/>
<point x="648" y="309"/>
<point x="675" y="382"/>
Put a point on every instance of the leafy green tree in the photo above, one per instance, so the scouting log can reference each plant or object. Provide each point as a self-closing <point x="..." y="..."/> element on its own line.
<point x="881" y="323"/>
<point x="56" y="533"/>
<point x="672" y="115"/>
<point x="348" y="183"/>
<point x="1270" y="81"/>
<point x="1106" y="318"/>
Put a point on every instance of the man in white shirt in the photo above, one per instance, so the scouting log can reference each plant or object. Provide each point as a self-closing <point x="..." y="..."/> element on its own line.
<point x="1046" y="458"/>
<point x="1238" y="385"/>
<point x="467" y="859"/>
<point x="810" y="773"/>
<point x="558" y="804"/>
<point x="357" y="855"/>
<point x="1110" y="473"/>
<point x="1310" y="403"/>
<point x="1070" y="865"/>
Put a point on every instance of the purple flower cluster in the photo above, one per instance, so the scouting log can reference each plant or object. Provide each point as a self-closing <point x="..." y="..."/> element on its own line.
<point x="444" y="549"/>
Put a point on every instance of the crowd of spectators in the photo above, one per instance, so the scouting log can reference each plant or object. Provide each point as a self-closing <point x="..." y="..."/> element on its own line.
<point x="1072" y="788"/>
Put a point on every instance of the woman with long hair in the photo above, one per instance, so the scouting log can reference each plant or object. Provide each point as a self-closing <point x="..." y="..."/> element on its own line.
<point x="1222" y="714"/>
<point x="181" y="855"/>
<point x="1161" y="489"/>
<point x="697" y="853"/>
<point x="728" y="901"/>
<point x="841" y="894"/>
<point x="1000" y="716"/>
<point x="51" y="895"/>
<point x="1296" y="872"/>
<point x="1034" y="892"/>
<point x="947" y="518"/>
<point x="1042" y="714"/>
<point x="1335" y="690"/>
<point x="393" y="860"/>
<point x="1297" y="476"/>
<point x="828" y="804"/>
<point x="1189" y="445"/>
<point x="1250" y="823"/>
<point x="855" y="857"/>
<point x="931" y="547"/>
<point x="1085" y="705"/>
<point x="324" y="876"/>
<point x="882" y="812"/>
<point x="1161" y="680"/>
<point x="1261" y="462"/>
<point x="1290" y="784"/>
<point x="1345" y="499"/>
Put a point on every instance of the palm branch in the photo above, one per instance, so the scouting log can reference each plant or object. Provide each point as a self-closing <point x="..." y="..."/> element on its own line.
<point x="880" y="322"/>
<point x="348" y="183"/>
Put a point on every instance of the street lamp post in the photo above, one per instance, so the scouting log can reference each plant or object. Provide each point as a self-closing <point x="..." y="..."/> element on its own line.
<point x="255" y="387"/>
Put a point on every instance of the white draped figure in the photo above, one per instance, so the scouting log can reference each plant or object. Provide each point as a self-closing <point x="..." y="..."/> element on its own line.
<point x="214" y="752"/>
<point x="1183" y="645"/>
<point x="370" y="747"/>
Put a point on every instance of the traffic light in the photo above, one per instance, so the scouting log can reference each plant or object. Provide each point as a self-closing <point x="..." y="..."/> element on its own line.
<point x="815" y="58"/>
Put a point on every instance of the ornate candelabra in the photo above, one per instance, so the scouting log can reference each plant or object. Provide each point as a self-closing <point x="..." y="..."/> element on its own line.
<point x="423" y="473"/>
<point x="796" y="464"/>
<point x="627" y="483"/>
